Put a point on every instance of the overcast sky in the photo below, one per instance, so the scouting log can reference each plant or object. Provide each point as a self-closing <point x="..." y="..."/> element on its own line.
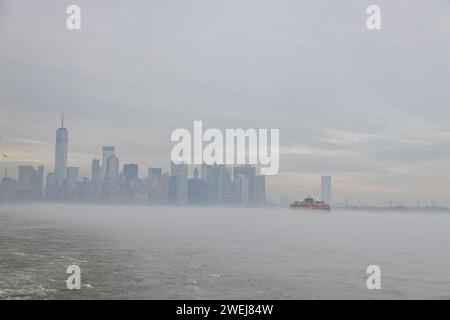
<point x="370" y="108"/>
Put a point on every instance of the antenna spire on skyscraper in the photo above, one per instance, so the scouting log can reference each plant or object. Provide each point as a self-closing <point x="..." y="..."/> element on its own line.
<point x="62" y="119"/>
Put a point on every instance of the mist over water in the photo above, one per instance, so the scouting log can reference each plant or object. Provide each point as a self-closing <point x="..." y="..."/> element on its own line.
<point x="220" y="253"/>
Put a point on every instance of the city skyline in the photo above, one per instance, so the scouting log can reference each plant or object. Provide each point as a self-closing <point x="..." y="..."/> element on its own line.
<point x="109" y="171"/>
<point x="111" y="183"/>
<point x="371" y="112"/>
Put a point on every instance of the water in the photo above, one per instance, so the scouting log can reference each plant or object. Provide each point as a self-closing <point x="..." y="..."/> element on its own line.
<point x="220" y="253"/>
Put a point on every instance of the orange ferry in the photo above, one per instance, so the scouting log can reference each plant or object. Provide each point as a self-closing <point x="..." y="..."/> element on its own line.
<point x="309" y="203"/>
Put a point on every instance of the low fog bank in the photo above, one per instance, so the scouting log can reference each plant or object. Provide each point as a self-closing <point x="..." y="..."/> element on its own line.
<point x="181" y="252"/>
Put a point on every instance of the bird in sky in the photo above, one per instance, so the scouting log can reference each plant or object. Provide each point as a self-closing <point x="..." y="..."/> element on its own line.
<point x="4" y="155"/>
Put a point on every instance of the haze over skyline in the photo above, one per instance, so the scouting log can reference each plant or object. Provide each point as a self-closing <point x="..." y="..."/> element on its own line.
<point x="369" y="108"/>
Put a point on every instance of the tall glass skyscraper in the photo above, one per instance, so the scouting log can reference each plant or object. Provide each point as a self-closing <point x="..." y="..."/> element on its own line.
<point x="108" y="152"/>
<point x="61" y="149"/>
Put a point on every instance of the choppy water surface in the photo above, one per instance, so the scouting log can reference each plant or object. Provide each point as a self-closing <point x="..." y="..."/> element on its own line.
<point x="220" y="253"/>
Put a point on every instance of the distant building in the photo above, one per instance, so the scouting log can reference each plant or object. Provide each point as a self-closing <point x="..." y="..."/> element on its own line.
<point x="163" y="195"/>
<point x="158" y="187"/>
<point x="61" y="150"/>
<point x="242" y="190"/>
<point x="95" y="179"/>
<point x="207" y="178"/>
<point x="85" y="189"/>
<point x="326" y="189"/>
<point x="30" y="182"/>
<point x="112" y="170"/>
<point x="249" y="172"/>
<point x="71" y="186"/>
<point x="73" y="174"/>
<point x="172" y="190"/>
<point x="180" y="187"/>
<point x="222" y="184"/>
<point x="138" y="192"/>
<point x="218" y="183"/>
<point x="197" y="193"/>
<point x="111" y="183"/>
<point x="206" y="172"/>
<point x="130" y="172"/>
<point x="9" y="189"/>
<point x="107" y="152"/>
<point x="196" y="173"/>
<point x="181" y="190"/>
<point x="155" y="172"/>
<point x="52" y="191"/>
<point x="260" y="190"/>
<point x="177" y="169"/>
<point x="40" y="182"/>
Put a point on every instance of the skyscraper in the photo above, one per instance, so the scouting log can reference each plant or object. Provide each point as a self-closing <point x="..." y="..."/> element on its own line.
<point x="180" y="182"/>
<point x="72" y="176"/>
<point x="250" y="173"/>
<point x="108" y="152"/>
<point x="52" y="190"/>
<point x="61" y="149"/>
<point x="71" y="182"/>
<point x="111" y="187"/>
<point x="95" y="177"/>
<point x="197" y="193"/>
<point x="243" y="189"/>
<point x="112" y="170"/>
<point x="9" y="189"/>
<point x="157" y="186"/>
<point x="30" y="182"/>
<point x="40" y="182"/>
<point x="219" y="179"/>
<point x="130" y="172"/>
<point x="326" y="189"/>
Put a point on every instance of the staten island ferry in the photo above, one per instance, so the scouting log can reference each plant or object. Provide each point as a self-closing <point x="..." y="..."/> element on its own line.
<point x="309" y="203"/>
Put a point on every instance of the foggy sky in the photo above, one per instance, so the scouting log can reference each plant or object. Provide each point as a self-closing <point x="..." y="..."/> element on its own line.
<point x="370" y="108"/>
